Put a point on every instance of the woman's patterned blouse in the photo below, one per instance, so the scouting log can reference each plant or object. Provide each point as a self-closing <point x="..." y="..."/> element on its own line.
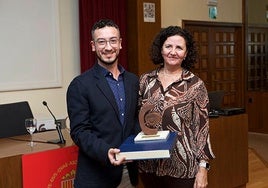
<point x="183" y="108"/>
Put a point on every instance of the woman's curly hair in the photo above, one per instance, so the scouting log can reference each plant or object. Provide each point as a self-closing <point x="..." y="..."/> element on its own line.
<point x="161" y="37"/>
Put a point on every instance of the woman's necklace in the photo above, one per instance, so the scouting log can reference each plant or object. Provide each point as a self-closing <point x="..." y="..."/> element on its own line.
<point x="167" y="78"/>
<point x="171" y="76"/>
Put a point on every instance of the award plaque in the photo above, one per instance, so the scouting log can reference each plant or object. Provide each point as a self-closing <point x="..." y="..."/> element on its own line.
<point x="149" y="119"/>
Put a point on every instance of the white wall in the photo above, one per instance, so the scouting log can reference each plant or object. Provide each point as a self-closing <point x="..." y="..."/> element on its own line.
<point x="173" y="11"/>
<point x="55" y="97"/>
<point x="257" y="12"/>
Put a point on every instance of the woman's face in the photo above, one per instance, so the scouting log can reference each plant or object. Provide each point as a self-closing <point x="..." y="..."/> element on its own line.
<point x="174" y="50"/>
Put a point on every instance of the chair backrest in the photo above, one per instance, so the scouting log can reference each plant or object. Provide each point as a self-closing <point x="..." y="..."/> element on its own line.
<point x="12" y="117"/>
<point x="215" y="100"/>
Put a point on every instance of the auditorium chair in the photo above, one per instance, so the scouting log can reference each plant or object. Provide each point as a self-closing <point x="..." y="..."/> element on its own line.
<point x="12" y="117"/>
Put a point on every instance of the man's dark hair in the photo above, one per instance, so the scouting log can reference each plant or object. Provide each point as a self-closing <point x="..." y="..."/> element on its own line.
<point x="103" y="23"/>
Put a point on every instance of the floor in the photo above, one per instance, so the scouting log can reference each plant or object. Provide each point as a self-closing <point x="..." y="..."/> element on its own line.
<point x="259" y="142"/>
<point x="258" y="171"/>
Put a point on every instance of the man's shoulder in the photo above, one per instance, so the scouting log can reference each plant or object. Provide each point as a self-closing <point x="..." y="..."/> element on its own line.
<point x="87" y="74"/>
<point x="131" y="75"/>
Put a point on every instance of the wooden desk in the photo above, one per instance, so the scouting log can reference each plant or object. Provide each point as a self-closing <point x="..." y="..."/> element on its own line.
<point x="12" y="149"/>
<point x="229" y="139"/>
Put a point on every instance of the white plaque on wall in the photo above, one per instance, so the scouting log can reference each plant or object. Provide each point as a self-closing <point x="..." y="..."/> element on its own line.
<point x="149" y="12"/>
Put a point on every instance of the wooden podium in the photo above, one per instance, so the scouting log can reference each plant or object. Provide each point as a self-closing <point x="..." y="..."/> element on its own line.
<point x="229" y="140"/>
<point x="14" y="148"/>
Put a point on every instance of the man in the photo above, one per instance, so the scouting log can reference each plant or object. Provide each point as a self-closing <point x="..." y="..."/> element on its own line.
<point x="102" y="107"/>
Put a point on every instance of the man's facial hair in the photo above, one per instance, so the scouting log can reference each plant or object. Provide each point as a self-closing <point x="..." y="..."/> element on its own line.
<point x="107" y="63"/>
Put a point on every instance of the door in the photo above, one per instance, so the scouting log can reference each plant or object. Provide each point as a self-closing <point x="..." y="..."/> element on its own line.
<point x="220" y="62"/>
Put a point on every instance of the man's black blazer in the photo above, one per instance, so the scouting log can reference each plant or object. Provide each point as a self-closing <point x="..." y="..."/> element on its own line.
<point x="95" y="125"/>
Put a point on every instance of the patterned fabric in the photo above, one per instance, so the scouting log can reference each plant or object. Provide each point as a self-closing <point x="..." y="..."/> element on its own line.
<point x="183" y="108"/>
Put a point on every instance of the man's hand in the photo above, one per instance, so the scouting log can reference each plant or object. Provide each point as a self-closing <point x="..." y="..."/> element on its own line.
<point x="113" y="160"/>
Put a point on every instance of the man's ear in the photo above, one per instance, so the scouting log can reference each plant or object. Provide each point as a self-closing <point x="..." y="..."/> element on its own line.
<point x="92" y="46"/>
<point x="120" y="43"/>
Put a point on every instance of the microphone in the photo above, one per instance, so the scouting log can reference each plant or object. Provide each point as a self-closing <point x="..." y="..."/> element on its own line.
<point x="58" y="128"/>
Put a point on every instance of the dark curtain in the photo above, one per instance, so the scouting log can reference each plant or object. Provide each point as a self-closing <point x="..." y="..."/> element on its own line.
<point x="91" y="11"/>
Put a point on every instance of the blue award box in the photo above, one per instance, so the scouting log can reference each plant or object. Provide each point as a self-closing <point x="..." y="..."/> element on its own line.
<point x="149" y="149"/>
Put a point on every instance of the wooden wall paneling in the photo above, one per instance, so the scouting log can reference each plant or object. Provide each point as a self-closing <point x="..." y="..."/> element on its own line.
<point x="257" y="58"/>
<point x="253" y="111"/>
<point x="132" y="36"/>
<point x="257" y="78"/>
<point x="202" y="68"/>
<point x="257" y="109"/>
<point x="264" y="112"/>
<point x="220" y="62"/>
<point x="140" y="35"/>
<point x="228" y="67"/>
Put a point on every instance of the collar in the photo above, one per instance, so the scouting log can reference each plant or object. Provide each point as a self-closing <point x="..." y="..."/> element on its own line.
<point x="186" y="74"/>
<point x="105" y="72"/>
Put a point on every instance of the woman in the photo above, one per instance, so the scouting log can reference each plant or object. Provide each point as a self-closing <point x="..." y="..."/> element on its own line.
<point x="173" y="98"/>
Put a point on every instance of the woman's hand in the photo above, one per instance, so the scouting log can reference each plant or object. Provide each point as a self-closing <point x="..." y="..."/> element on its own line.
<point x="201" y="179"/>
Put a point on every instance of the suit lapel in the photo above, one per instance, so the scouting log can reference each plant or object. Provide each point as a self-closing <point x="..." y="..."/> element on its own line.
<point x="104" y="87"/>
<point x="128" y="93"/>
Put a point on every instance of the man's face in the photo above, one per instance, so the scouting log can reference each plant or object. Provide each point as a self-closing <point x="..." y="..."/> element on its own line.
<point x="107" y="44"/>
